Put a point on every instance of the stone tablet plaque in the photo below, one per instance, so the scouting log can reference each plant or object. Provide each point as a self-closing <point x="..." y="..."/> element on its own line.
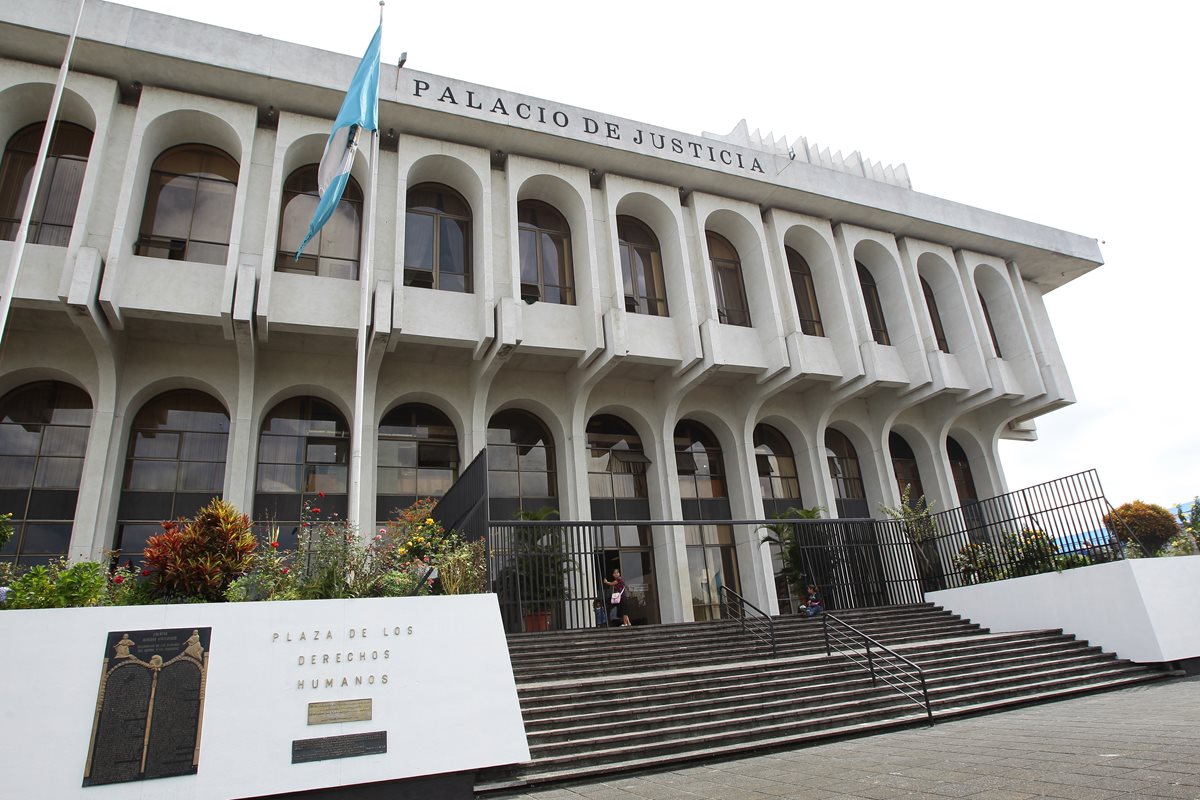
<point x="325" y="748"/>
<point x="339" y="711"/>
<point x="149" y="706"/>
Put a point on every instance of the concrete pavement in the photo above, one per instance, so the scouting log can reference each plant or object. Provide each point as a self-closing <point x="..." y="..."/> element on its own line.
<point x="1142" y="742"/>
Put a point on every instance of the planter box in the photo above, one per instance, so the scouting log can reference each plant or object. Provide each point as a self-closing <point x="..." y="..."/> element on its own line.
<point x="1140" y="609"/>
<point x="275" y="697"/>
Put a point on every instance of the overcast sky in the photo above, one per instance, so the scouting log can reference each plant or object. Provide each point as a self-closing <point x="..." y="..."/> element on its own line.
<point x="1078" y="115"/>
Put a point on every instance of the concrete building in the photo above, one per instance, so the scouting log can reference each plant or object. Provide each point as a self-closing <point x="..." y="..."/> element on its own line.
<point x="638" y="323"/>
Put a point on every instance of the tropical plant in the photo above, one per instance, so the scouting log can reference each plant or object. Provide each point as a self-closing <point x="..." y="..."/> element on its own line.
<point x="6" y="529"/>
<point x="200" y="557"/>
<point x="977" y="562"/>
<point x="269" y="576"/>
<point x="916" y="522"/>
<point x="463" y="570"/>
<point x="784" y="536"/>
<point x="1149" y="525"/>
<point x="59" y="584"/>
<point x="540" y="565"/>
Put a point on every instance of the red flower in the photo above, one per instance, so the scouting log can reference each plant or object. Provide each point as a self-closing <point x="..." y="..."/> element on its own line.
<point x="316" y="511"/>
<point x="145" y="572"/>
<point x="119" y="579"/>
<point x="275" y="544"/>
<point x="283" y="571"/>
<point x="320" y="494"/>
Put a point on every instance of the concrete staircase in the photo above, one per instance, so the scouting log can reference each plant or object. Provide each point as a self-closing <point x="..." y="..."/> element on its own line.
<point x="601" y="701"/>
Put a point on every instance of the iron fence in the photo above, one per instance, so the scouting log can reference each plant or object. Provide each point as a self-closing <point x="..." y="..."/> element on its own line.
<point x="464" y="507"/>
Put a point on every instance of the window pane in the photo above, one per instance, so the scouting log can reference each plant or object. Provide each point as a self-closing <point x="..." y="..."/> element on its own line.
<point x="502" y="457"/>
<point x="169" y="203"/>
<point x="328" y="452"/>
<point x="418" y="241"/>
<point x="201" y="477"/>
<point x="16" y="471"/>
<point x="19" y="440"/>
<point x="533" y="458"/>
<point x="58" y="473"/>
<point x="535" y="484"/>
<point x="155" y="444"/>
<point x="340" y="236"/>
<point x="394" y="453"/>
<point x="504" y="484"/>
<point x="452" y="254"/>
<point x="527" y="240"/>
<point x="46" y="539"/>
<point x="396" y="481"/>
<point x="297" y="213"/>
<point x="434" y="482"/>
<point x="278" y="478"/>
<point x="551" y="260"/>
<point x="204" y="446"/>
<point x="151" y="476"/>
<point x="328" y="479"/>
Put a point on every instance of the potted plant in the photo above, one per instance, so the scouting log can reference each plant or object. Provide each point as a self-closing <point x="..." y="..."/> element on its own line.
<point x="535" y="580"/>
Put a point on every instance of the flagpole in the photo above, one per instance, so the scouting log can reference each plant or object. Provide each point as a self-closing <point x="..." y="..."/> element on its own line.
<point x="355" y="509"/>
<point x="35" y="181"/>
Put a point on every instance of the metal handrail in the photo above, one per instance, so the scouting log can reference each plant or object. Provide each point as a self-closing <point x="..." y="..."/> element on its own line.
<point x="893" y="676"/>
<point x="736" y="606"/>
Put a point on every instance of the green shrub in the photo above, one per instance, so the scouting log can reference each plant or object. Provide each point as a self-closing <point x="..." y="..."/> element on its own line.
<point x="1150" y="526"/>
<point x="60" y="584"/>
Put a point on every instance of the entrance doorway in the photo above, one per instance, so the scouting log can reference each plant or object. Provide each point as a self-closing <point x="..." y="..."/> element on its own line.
<point x="627" y="548"/>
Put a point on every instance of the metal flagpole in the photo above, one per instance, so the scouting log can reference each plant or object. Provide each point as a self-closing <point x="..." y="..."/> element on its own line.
<point x="355" y="506"/>
<point x="35" y="182"/>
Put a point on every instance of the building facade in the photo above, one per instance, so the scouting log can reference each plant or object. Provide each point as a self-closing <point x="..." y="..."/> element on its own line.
<point x="635" y="322"/>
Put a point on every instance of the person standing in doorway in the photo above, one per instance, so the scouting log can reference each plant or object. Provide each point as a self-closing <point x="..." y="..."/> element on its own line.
<point x="618" y="598"/>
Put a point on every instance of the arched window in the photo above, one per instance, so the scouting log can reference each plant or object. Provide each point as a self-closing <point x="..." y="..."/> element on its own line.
<point x="62" y="178"/>
<point x="987" y="317"/>
<point x="732" y="306"/>
<point x="870" y="293"/>
<point x="641" y="268"/>
<point x="418" y="457"/>
<point x="303" y="451"/>
<point x="712" y="556"/>
<point x="189" y="205"/>
<point x="174" y="466"/>
<point x="904" y="464"/>
<point x="805" y="292"/>
<point x="334" y="251"/>
<point x="43" y="438"/>
<point x="776" y="470"/>
<point x="616" y="464"/>
<point x="846" y="475"/>
<point x="544" y="238"/>
<point x="437" y="239"/>
<point x="931" y="303"/>
<point x="521" y="471"/>
<point x="960" y="470"/>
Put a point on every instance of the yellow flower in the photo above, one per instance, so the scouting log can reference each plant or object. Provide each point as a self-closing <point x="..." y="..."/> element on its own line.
<point x="429" y="521"/>
<point x="402" y="551"/>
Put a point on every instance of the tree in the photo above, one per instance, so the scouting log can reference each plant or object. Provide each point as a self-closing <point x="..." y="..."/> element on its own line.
<point x="1148" y="525"/>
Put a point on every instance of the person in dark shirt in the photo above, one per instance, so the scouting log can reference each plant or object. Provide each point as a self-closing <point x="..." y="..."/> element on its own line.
<point x="618" y="597"/>
<point x="812" y="602"/>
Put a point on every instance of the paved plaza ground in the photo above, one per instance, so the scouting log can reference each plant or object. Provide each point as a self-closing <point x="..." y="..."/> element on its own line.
<point x="1142" y="742"/>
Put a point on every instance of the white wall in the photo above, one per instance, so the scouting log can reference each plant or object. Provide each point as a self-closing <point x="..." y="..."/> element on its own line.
<point x="1141" y="609"/>
<point x="449" y="704"/>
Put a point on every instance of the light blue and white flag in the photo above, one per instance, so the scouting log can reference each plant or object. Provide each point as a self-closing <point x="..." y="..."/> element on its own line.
<point x="360" y="112"/>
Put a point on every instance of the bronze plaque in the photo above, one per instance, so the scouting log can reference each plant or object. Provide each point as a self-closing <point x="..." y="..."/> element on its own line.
<point x="339" y="711"/>
<point x="149" y="706"/>
<point x="327" y="747"/>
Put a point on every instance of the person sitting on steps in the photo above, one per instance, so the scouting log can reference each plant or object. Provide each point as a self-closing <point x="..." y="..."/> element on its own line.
<point x="812" y="602"/>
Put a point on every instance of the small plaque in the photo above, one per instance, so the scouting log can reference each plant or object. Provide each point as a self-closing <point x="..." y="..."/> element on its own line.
<point x="339" y="711"/>
<point x="329" y="747"/>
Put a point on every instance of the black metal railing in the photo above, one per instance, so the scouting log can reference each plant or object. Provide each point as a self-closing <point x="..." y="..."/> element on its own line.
<point x="884" y="664"/>
<point x="1052" y="526"/>
<point x="464" y="507"/>
<point x="753" y="620"/>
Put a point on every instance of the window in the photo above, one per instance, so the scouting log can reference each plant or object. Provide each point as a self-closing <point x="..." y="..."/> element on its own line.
<point x="418" y="457"/>
<point x="62" y="177"/>
<point x="174" y="466"/>
<point x="544" y="239"/>
<point x="987" y="317"/>
<point x="437" y="239"/>
<point x="641" y="268"/>
<point x="904" y="464"/>
<point x="303" y="451"/>
<point x="870" y="294"/>
<point x="732" y="308"/>
<point x="616" y="461"/>
<point x="521" y="470"/>
<point x="776" y="469"/>
<point x="846" y="476"/>
<point x="931" y="303"/>
<point x="960" y="469"/>
<point x="44" y="431"/>
<point x="805" y="292"/>
<point x="189" y="205"/>
<point x="711" y="553"/>
<point x="334" y="251"/>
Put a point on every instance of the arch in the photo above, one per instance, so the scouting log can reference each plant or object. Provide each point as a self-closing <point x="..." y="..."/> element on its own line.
<point x="643" y="283"/>
<point x="776" y="466"/>
<point x="804" y="292"/>
<point x="334" y="251"/>
<point x="437" y="239"/>
<point x="522" y="464"/>
<point x="711" y="552"/>
<point x="943" y="301"/>
<point x="26" y="104"/>
<point x="652" y="212"/>
<point x="617" y="463"/>
<point x="845" y="471"/>
<point x="725" y="264"/>
<point x="961" y="473"/>
<point x="876" y="320"/>
<point x="546" y="258"/>
<point x="174" y="465"/>
<point x="188" y="213"/>
<point x="565" y="200"/>
<point x="302" y="465"/>
<point x="44" y="429"/>
<point x="999" y="308"/>
<point x="417" y="456"/>
<point x="57" y="200"/>
<point x="904" y="465"/>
